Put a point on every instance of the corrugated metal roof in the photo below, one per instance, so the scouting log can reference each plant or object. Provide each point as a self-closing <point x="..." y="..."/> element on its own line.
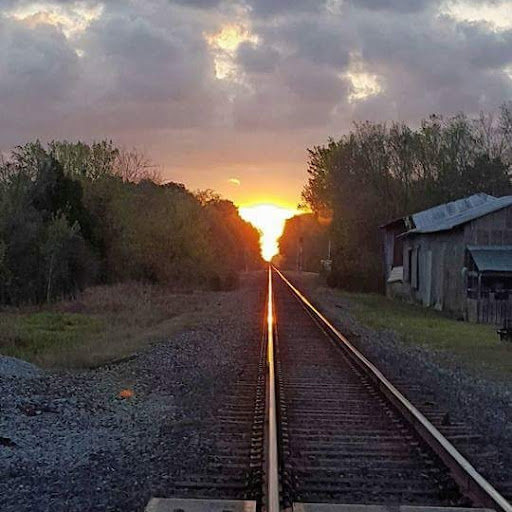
<point x="439" y="214"/>
<point x="492" y="258"/>
<point x="449" y="215"/>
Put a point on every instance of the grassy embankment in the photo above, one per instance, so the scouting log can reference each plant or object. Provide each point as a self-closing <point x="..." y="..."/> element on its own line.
<point x="105" y="323"/>
<point x="472" y="345"/>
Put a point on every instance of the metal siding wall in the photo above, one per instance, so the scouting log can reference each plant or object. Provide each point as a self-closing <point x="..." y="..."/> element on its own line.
<point x="427" y="284"/>
<point x="453" y="277"/>
<point x="438" y="271"/>
<point x="492" y="229"/>
<point x="407" y="271"/>
<point x="414" y="269"/>
<point x="448" y="251"/>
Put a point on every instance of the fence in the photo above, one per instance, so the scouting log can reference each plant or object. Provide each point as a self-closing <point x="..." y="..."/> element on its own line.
<point x="496" y="312"/>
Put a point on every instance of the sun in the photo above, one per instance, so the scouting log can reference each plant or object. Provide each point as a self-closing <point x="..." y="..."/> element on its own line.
<point x="270" y="220"/>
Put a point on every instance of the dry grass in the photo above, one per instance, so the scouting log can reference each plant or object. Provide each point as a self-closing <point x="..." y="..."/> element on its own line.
<point x="104" y="323"/>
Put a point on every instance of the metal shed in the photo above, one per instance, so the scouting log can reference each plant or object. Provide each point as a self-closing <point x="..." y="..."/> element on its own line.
<point x="455" y="257"/>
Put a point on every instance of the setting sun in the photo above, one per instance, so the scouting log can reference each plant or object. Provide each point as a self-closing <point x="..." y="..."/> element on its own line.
<point x="269" y="219"/>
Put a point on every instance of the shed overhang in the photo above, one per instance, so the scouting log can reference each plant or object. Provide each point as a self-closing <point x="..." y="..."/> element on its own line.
<point x="492" y="258"/>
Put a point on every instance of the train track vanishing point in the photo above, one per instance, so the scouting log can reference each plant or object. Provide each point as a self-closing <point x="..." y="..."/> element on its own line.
<point x="330" y="430"/>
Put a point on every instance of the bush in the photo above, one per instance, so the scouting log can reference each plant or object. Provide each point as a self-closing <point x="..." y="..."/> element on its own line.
<point x="69" y="218"/>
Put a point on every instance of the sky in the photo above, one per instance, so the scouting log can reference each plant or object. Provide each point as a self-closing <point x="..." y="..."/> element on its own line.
<point x="229" y="94"/>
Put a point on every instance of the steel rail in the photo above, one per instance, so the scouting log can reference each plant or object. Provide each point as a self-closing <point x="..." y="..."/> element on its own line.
<point x="466" y="476"/>
<point x="272" y="476"/>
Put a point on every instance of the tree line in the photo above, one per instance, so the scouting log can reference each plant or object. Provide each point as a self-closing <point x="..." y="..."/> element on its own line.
<point x="304" y="243"/>
<point x="74" y="214"/>
<point x="378" y="172"/>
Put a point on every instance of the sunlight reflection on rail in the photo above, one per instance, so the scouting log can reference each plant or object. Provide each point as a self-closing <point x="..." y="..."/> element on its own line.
<point x="272" y="467"/>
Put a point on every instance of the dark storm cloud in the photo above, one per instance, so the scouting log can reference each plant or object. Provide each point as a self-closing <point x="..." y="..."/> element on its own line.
<point x="144" y="72"/>
<point x="34" y="63"/>
<point x="284" y="7"/>
<point x="148" y="64"/>
<point x="38" y="73"/>
<point x="257" y="58"/>
<point x="312" y="82"/>
<point x="206" y="4"/>
<point x="433" y="65"/>
<point x="135" y="75"/>
<point x="486" y="49"/>
<point x="326" y="39"/>
<point x="300" y="95"/>
<point x="395" y="5"/>
<point x="12" y="4"/>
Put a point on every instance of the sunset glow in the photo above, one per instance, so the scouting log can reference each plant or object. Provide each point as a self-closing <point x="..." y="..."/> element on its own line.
<point x="72" y="19"/>
<point x="364" y="83"/>
<point x="224" y="45"/>
<point x="269" y="219"/>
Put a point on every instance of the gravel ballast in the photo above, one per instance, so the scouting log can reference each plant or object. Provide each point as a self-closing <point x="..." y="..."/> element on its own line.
<point x="12" y="367"/>
<point x="427" y="376"/>
<point x="69" y="440"/>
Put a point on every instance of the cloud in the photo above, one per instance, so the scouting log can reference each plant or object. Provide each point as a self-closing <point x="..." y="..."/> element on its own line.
<point x="254" y="58"/>
<point x="71" y="18"/>
<point x="210" y="85"/>
<point x="234" y="181"/>
<point x="495" y="14"/>
<point x="395" y="5"/>
<point x="38" y="74"/>
<point x="204" y="4"/>
<point x="267" y="8"/>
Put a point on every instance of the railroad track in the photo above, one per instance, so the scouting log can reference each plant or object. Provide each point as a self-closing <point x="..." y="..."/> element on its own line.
<point x="232" y="468"/>
<point x="328" y="428"/>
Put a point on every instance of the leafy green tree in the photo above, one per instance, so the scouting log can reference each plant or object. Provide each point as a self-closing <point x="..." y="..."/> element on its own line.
<point x="37" y="200"/>
<point x="376" y="173"/>
<point x="80" y="160"/>
<point x="73" y="214"/>
<point x="55" y="250"/>
<point x="308" y="232"/>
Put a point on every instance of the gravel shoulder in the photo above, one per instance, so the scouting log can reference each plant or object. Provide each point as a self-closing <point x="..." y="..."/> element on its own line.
<point x="70" y="441"/>
<point x="429" y="376"/>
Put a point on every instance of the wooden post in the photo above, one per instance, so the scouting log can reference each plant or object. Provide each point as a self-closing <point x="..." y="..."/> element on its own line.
<point x="478" y="302"/>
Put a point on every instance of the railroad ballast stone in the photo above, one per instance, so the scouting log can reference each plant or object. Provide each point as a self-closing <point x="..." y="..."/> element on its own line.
<point x="71" y="442"/>
<point x="429" y="377"/>
<point x="13" y="367"/>
<point x="349" y="445"/>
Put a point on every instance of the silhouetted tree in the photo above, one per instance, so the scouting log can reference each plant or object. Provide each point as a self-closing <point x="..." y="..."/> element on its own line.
<point x="73" y="214"/>
<point x="376" y="173"/>
<point x="304" y="233"/>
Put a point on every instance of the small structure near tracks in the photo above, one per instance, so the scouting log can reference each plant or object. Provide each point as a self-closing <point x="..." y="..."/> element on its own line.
<point x="455" y="257"/>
